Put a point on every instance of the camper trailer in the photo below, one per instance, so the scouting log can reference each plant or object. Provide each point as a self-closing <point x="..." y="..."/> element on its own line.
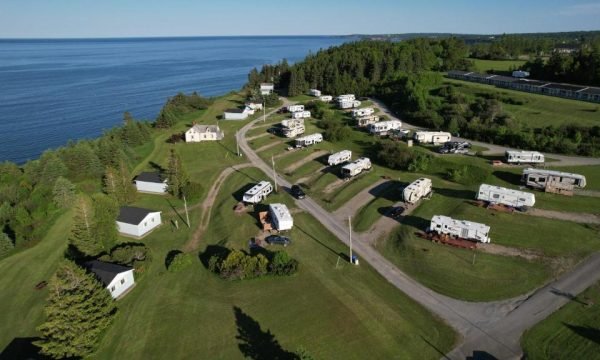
<point x="348" y="104"/>
<point x="524" y="157"/>
<point x="553" y="181"/>
<point x="309" y="140"/>
<point x="432" y="137"/>
<point x="356" y="167"/>
<point x="300" y="114"/>
<point x="326" y="98"/>
<point x="295" y="108"/>
<point x="417" y="190"/>
<point x="460" y="228"/>
<point x="383" y="127"/>
<point x="258" y="192"/>
<point x="508" y="197"/>
<point x="345" y="97"/>
<point x="292" y="127"/>
<point x="362" y="112"/>
<point x="280" y="217"/>
<point x="364" y="121"/>
<point x="314" y="92"/>
<point x="339" y="157"/>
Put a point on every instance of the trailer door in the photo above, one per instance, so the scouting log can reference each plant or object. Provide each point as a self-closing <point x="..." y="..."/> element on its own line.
<point x="464" y="233"/>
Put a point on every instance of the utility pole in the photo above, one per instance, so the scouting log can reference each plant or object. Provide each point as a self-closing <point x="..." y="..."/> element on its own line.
<point x="187" y="216"/>
<point x="350" y="232"/>
<point x="264" y="110"/>
<point x="274" y="173"/>
<point x="237" y="144"/>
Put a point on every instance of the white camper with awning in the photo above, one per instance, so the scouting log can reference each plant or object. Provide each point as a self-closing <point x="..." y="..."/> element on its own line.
<point x="417" y="190"/>
<point x="504" y="196"/>
<point x="339" y="157"/>
<point x="460" y="228"/>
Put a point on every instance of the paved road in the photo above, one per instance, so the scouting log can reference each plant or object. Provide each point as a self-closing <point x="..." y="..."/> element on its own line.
<point x="494" y="328"/>
<point x="561" y="160"/>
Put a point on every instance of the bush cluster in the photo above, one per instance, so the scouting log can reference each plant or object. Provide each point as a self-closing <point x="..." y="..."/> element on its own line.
<point x="238" y="265"/>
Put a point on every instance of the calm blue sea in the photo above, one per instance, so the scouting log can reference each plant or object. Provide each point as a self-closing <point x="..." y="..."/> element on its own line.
<point x="52" y="91"/>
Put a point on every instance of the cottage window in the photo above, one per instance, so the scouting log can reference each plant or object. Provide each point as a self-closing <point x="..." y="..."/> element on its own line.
<point x="122" y="281"/>
<point x="112" y="289"/>
<point x="145" y="223"/>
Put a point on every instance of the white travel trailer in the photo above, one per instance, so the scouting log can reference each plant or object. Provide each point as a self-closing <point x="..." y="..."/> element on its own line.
<point x="295" y="108"/>
<point x="364" y="121"/>
<point x="542" y="179"/>
<point x="348" y="104"/>
<point x="254" y="106"/>
<point x="417" y="190"/>
<point x="356" y="167"/>
<point x="383" y="127"/>
<point x="504" y="196"/>
<point x="314" y="92"/>
<point x="362" y="112"/>
<point x="432" y="137"/>
<point x="460" y="228"/>
<point x="258" y="192"/>
<point x="345" y="97"/>
<point x="519" y="157"/>
<point x="280" y="217"/>
<point x="339" y="157"/>
<point x="293" y="132"/>
<point x="326" y="98"/>
<point x="300" y="114"/>
<point x="309" y="140"/>
<point x="292" y="123"/>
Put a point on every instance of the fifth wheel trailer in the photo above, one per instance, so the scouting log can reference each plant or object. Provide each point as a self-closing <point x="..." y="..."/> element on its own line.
<point x="280" y="217"/>
<point x="339" y="157"/>
<point x="504" y="196"/>
<point x="432" y="137"/>
<point x="295" y="108"/>
<point x="524" y="157"/>
<point x="417" y="190"/>
<point x="258" y="192"/>
<point x="362" y="112"/>
<point x="553" y="181"/>
<point x="382" y="127"/>
<point x="309" y="140"/>
<point x="356" y="167"/>
<point x="460" y="228"/>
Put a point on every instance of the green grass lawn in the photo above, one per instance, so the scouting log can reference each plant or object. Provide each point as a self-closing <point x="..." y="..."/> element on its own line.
<point x="483" y="66"/>
<point x="538" y="110"/>
<point x="571" y="332"/>
<point x="333" y="311"/>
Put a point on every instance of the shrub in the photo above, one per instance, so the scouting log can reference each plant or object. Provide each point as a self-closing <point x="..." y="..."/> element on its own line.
<point x="6" y="244"/>
<point x="193" y="190"/>
<point x="130" y="254"/>
<point x="283" y="264"/>
<point x="179" y="262"/>
<point x="468" y="175"/>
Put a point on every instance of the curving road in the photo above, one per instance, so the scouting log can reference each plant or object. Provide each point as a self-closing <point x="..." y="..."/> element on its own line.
<point x="492" y="328"/>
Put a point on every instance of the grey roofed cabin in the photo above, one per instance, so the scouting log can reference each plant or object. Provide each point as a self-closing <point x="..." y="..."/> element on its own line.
<point x="106" y="272"/>
<point x="238" y="111"/>
<point x="151" y="177"/>
<point x="133" y="215"/>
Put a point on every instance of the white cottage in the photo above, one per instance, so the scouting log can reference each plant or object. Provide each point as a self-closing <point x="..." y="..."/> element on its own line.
<point x="117" y="279"/>
<point x="236" y="114"/>
<point x="151" y="182"/>
<point x="137" y="222"/>
<point x="198" y="133"/>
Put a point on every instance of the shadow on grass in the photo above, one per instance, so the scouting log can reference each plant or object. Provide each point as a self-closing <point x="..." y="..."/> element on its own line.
<point x="587" y="332"/>
<point x="170" y="256"/>
<point x="389" y="190"/>
<point x="508" y="177"/>
<point x="22" y="348"/>
<point x="455" y="193"/>
<point x="256" y="343"/>
<point x="316" y="240"/>
<point x="180" y="216"/>
<point x="239" y="194"/>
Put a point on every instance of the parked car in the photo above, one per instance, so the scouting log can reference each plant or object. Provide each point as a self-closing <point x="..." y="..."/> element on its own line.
<point x="297" y="192"/>
<point x="278" y="240"/>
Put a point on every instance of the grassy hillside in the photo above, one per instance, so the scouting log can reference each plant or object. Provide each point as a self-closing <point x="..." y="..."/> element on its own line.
<point x="483" y="66"/>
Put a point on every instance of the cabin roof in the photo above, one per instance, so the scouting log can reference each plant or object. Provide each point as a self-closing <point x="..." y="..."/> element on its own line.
<point x="106" y="272"/>
<point x="151" y="177"/>
<point x="133" y="215"/>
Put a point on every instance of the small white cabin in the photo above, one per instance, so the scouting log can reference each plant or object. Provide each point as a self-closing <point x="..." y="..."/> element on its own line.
<point x="540" y="178"/>
<point x="364" y="121"/>
<point x="383" y="127"/>
<point x="151" y="182"/>
<point x="356" y="167"/>
<point x="309" y="140"/>
<point x="258" y="192"/>
<point x="520" y="157"/>
<point x="295" y="108"/>
<point x="198" y="133"/>
<point x="362" y="112"/>
<point x="417" y="190"/>
<point x="314" y="92"/>
<point x="339" y="157"/>
<point x="281" y="217"/>
<point x="432" y="137"/>
<point x="300" y="114"/>
<point x="236" y="114"/>
<point x="460" y="228"/>
<point x="137" y="222"/>
<point x="326" y="98"/>
<point x="267" y="88"/>
<point x="504" y="196"/>
<point x="117" y="279"/>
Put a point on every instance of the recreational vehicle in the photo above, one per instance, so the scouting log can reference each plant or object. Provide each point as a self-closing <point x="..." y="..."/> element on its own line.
<point x="519" y="157"/>
<point x="504" y="196"/>
<point x="417" y="190"/>
<point x="258" y="192"/>
<point x="345" y="97"/>
<point x="295" y="108"/>
<point x="382" y="127"/>
<point x="314" y="92"/>
<point x="348" y="104"/>
<point x="364" y="121"/>
<point x="300" y="114"/>
<point x="432" y="137"/>
<point x="356" y="167"/>
<point x="460" y="228"/>
<point x="339" y="157"/>
<point x="326" y="98"/>
<point x="309" y="140"/>
<point x="280" y="217"/>
<point x="292" y="127"/>
<point x="552" y="181"/>
<point x="362" y="112"/>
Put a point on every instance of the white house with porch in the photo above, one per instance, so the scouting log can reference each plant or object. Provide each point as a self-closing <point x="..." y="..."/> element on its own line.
<point x="137" y="222"/>
<point x="198" y="133"/>
<point x="117" y="279"/>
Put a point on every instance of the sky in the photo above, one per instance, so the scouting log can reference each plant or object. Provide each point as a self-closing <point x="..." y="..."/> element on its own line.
<point x="140" y="18"/>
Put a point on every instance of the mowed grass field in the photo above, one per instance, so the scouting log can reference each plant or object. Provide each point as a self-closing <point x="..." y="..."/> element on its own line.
<point x="332" y="309"/>
<point x="571" y="332"/>
<point x="538" y="111"/>
<point x="483" y="66"/>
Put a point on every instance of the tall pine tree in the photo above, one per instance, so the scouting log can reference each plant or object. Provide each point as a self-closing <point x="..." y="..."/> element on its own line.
<point x="78" y="311"/>
<point x="83" y="230"/>
<point x="177" y="177"/>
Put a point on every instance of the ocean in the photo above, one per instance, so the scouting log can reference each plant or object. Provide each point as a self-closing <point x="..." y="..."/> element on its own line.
<point x="53" y="91"/>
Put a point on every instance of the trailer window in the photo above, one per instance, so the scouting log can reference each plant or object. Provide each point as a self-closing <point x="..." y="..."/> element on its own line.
<point x="542" y="180"/>
<point x="496" y="196"/>
<point x="521" y="199"/>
